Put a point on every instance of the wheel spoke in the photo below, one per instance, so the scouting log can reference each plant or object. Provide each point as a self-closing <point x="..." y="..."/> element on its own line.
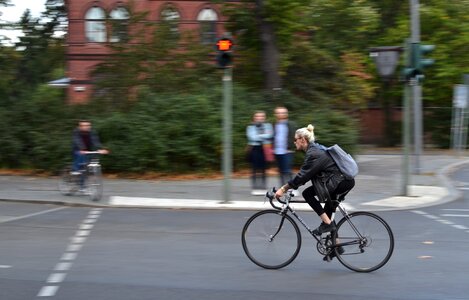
<point x="271" y="240"/>
<point x="372" y="250"/>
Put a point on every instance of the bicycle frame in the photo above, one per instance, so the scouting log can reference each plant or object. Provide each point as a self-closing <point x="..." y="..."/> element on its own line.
<point x="286" y="208"/>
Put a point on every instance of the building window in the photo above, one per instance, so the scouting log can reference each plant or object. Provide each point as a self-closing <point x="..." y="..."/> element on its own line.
<point x="170" y="17"/>
<point x="95" y="25"/>
<point x="119" y="23"/>
<point x="207" y="19"/>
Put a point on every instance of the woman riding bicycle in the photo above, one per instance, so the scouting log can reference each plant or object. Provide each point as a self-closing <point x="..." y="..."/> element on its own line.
<point x="320" y="168"/>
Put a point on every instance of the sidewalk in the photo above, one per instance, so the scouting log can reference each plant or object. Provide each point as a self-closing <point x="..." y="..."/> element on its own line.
<point x="377" y="188"/>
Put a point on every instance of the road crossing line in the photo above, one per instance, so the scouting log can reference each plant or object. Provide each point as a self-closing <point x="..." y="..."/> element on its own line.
<point x="70" y="255"/>
<point x="32" y="215"/>
<point x="443" y="221"/>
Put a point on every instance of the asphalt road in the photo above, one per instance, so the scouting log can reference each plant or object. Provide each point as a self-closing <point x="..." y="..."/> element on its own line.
<point x="73" y="253"/>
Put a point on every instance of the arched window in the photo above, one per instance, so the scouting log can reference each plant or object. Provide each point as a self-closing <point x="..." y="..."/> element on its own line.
<point x="95" y="25"/>
<point x="170" y="17"/>
<point x="207" y="18"/>
<point x="119" y="17"/>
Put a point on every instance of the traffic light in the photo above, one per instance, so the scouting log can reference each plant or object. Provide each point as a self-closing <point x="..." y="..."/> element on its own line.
<point x="415" y="61"/>
<point x="419" y="51"/>
<point x="409" y="70"/>
<point x="224" y="53"/>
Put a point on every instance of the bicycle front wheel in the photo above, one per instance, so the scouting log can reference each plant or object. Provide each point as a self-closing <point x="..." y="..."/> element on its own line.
<point x="95" y="183"/>
<point x="271" y="240"/>
<point x="367" y="242"/>
<point x="68" y="183"/>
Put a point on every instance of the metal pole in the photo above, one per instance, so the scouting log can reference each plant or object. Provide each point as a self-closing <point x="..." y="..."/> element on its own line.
<point x="405" y="141"/>
<point x="227" y="129"/>
<point x="418" y="132"/>
<point x="417" y="89"/>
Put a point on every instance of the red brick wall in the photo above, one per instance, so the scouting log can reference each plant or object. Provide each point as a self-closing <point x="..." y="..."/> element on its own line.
<point x="372" y="125"/>
<point x="83" y="56"/>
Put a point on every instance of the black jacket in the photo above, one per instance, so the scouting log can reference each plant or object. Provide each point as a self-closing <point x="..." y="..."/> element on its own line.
<point x="318" y="166"/>
<point x="77" y="142"/>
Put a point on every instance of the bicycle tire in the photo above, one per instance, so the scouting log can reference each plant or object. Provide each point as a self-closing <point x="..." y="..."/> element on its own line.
<point x="95" y="184"/>
<point x="266" y="253"/>
<point x="68" y="184"/>
<point x="377" y="244"/>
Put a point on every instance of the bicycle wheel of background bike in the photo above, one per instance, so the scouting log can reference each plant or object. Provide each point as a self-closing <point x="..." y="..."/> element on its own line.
<point x="95" y="183"/>
<point x="374" y="250"/>
<point x="67" y="182"/>
<point x="270" y="240"/>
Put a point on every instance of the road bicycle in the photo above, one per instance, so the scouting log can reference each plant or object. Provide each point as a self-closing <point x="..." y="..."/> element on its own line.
<point x="86" y="181"/>
<point x="362" y="241"/>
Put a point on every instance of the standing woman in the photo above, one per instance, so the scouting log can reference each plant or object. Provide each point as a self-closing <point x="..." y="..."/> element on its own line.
<point x="258" y="133"/>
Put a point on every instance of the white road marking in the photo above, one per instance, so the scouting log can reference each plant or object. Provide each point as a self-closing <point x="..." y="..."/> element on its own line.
<point x="82" y="233"/>
<point x="86" y="226"/>
<point x="63" y="266"/>
<point x="48" y="291"/>
<point x="56" y="277"/>
<point x="32" y="215"/>
<point x="443" y="221"/>
<point x="455" y="216"/>
<point x="69" y="256"/>
<point x="74" y="247"/>
<point x="89" y="221"/>
<point x="5" y="266"/>
<point x="78" y="239"/>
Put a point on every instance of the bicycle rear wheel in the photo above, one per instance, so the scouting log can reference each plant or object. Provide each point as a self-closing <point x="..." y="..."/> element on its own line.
<point x="367" y="241"/>
<point x="271" y="240"/>
<point x="95" y="183"/>
<point x="68" y="183"/>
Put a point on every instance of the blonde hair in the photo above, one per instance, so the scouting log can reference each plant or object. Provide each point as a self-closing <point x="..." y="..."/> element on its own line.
<point x="307" y="133"/>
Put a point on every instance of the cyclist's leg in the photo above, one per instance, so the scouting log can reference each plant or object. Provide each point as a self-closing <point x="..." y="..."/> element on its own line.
<point x="330" y="207"/>
<point x="78" y="161"/>
<point x="309" y="195"/>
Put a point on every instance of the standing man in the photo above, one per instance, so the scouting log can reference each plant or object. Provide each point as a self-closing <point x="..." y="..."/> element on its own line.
<point x="284" y="144"/>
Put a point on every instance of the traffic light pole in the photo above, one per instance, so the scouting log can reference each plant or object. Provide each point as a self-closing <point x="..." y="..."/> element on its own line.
<point x="406" y="140"/>
<point x="416" y="89"/>
<point x="227" y="133"/>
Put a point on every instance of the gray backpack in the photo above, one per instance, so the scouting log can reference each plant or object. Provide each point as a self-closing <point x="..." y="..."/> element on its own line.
<point x="344" y="161"/>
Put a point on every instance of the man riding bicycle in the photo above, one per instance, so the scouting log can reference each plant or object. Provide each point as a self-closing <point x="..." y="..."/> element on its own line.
<point x="84" y="139"/>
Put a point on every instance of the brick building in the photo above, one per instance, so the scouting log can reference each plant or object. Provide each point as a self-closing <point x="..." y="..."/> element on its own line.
<point x="90" y="32"/>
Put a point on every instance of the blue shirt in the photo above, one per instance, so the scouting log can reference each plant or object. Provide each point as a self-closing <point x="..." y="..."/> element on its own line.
<point x="258" y="135"/>
<point x="281" y="138"/>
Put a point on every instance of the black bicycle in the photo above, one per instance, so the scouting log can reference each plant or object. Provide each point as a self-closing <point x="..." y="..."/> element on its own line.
<point x="362" y="241"/>
<point x="86" y="181"/>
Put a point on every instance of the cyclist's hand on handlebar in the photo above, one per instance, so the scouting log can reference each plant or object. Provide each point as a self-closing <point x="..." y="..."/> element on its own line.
<point x="279" y="193"/>
<point x="103" y="151"/>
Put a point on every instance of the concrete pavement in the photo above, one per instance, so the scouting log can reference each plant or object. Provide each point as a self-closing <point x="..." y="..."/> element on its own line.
<point x="378" y="187"/>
